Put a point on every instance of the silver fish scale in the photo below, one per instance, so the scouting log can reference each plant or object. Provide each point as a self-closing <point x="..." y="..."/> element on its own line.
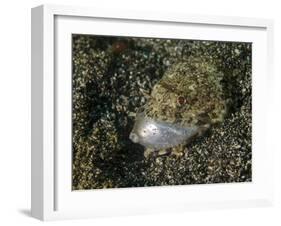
<point x="157" y="135"/>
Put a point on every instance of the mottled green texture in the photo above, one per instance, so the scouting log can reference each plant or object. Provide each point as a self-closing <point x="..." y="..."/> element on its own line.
<point x="114" y="77"/>
<point x="198" y="83"/>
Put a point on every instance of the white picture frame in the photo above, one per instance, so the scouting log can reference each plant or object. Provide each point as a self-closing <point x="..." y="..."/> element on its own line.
<point x="52" y="197"/>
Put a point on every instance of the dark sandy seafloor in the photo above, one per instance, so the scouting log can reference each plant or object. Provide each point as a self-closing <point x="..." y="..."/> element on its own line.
<point x="111" y="76"/>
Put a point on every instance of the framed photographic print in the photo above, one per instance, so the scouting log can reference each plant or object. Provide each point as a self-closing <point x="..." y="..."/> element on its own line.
<point x="137" y="112"/>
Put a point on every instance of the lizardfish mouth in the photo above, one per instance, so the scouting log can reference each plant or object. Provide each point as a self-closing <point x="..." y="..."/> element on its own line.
<point x="134" y="137"/>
